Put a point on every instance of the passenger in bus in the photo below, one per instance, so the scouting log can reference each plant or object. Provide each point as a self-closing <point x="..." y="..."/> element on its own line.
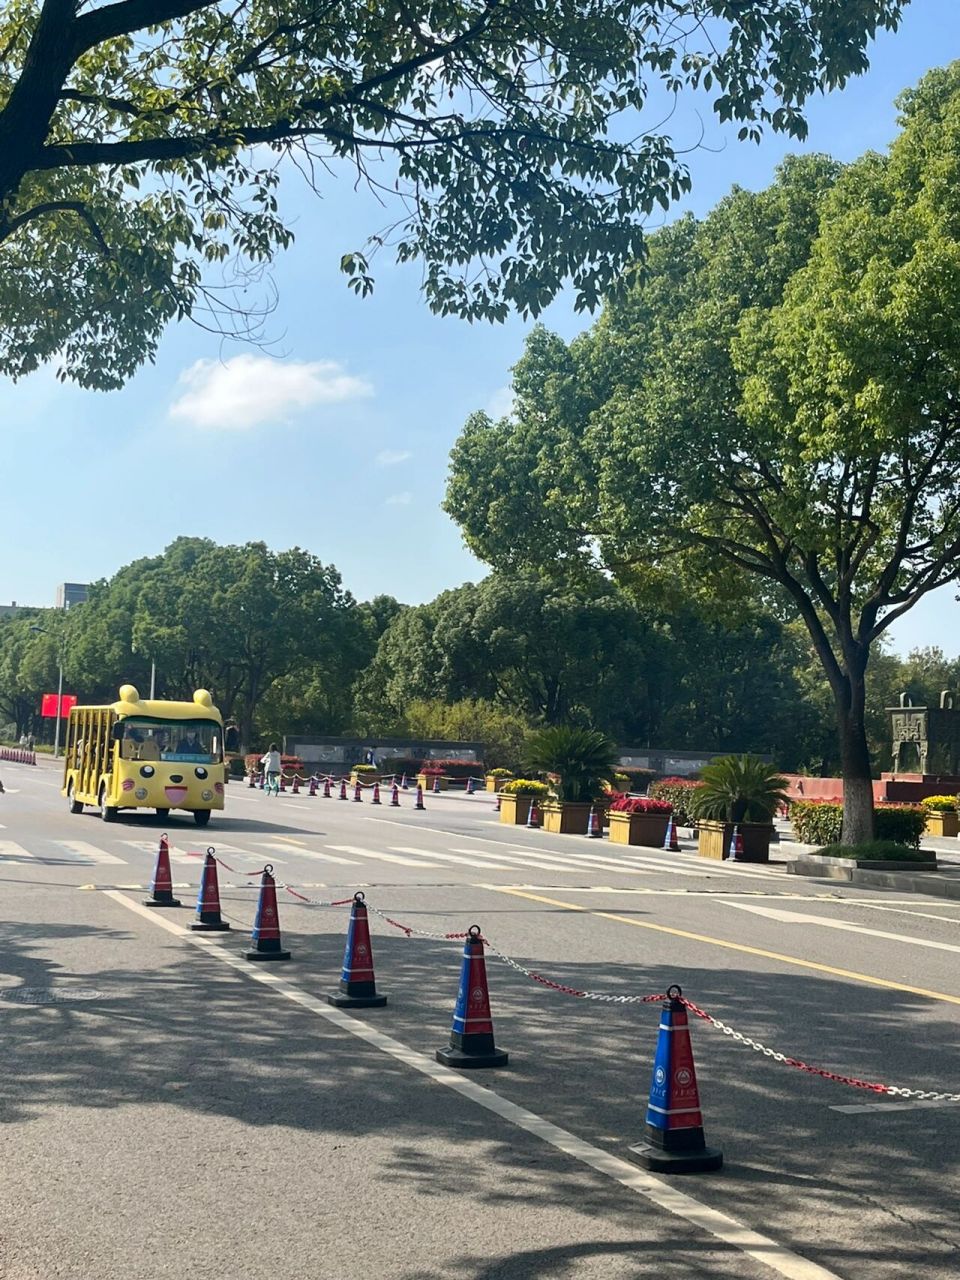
<point x="190" y="746"/>
<point x="149" y="749"/>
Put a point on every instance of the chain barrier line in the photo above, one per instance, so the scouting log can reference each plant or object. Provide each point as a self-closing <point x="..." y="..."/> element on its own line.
<point x="870" y="1086"/>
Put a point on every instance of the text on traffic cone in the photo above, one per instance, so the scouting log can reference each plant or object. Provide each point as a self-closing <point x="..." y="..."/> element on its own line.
<point x="358" y="984"/>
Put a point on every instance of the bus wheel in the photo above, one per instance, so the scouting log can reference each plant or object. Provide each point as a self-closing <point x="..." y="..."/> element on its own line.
<point x="201" y="817"/>
<point x="162" y="813"/>
<point x="74" y="806"/>
<point x="107" y="812"/>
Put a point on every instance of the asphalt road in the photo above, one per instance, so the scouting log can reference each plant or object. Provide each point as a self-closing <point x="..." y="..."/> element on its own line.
<point x="195" y="1114"/>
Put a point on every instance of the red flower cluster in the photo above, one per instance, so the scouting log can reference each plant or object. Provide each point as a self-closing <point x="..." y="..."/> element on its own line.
<point x="639" y="804"/>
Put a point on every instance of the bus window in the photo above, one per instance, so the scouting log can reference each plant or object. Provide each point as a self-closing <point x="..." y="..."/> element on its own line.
<point x="190" y="741"/>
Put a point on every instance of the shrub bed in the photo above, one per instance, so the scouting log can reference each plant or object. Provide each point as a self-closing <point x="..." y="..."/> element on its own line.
<point x="452" y="768"/>
<point x="821" y="822"/>
<point x="940" y="804"/>
<point x="679" y="793"/>
<point x="875" y="851"/>
<point x="526" y="787"/>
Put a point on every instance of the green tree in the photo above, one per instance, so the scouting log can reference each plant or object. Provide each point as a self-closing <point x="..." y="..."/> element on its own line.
<point x="134" y="141"/>
<point x="779" y="402"/>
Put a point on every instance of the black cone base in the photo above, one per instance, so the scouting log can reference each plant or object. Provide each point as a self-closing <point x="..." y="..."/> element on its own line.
<point x="341" y="1000"/>
<point x="210" y="926"/>
<point x="659" y="1161"/>
<point x="451" y="1057"/>
<point x="267" y="955"/>
<point x="170" y="901"/>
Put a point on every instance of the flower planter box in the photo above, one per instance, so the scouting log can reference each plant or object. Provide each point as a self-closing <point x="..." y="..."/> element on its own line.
<point x="427" y="780"/>
<point x="514" y="809"/>
<point x="366" y="778"/>
<point x="648" y="829"/>
<point x="713" y="840"/>
<point x="495" y="784"/>
<point x="942" y="823"/>
<point x="566" y="818"/>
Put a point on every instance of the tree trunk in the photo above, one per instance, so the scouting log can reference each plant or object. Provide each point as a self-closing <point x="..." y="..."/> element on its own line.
<point x="858" y="826"/>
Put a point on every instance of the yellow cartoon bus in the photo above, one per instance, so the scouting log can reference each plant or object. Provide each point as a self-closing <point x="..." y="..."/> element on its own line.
<point x="151" y="754"/>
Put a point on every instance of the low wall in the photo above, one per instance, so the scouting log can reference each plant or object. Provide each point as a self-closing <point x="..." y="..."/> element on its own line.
<point x="903" y="788"/>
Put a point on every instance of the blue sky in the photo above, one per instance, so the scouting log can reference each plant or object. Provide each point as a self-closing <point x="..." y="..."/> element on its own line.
<point x="337" y="440"/>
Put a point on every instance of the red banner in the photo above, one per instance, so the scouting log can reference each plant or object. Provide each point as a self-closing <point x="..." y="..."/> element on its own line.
<point x="48" y="706"/>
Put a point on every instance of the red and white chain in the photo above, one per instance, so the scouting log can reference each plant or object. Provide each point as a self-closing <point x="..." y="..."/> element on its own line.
<point x="603" y="997"/>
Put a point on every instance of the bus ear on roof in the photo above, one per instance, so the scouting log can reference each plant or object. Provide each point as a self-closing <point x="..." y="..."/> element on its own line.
<point x="128" y="693"/>
<point x="202" y="698"/>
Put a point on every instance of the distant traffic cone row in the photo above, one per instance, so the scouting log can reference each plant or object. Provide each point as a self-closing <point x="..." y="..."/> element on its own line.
<point x="208" y="918"/>
<point x="471" y="1035"/>
<point x="674" y="1125"/>
<point x="16" y="755"/>
<point x="161" y="886"/>
<point x="358" y="983"/>
<point x="266" y="923"/>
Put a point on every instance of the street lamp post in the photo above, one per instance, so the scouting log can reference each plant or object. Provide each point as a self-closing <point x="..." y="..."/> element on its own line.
<point x="56" y="732"/>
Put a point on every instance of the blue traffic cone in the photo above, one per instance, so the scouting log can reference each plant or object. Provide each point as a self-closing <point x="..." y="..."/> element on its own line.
<point x="533" y="813"/>
<point x="436" y="784"/>
<point x="395" y="797"/>
<point x="376" y="793"/>
<point x="469" y="786"/>
<point x="208" y="918"/>
<point x="266" y="924"/>
<point x="594" y="826"/>
<point x="343" y="789"/>
<point x="419" y="804"/>
<point x="471" y="1035"/>
<point x="357" y="794"/>
<point x="735" y="852"/>
<point x="674" y="1126"/>
<point x="404" y="784"/>
<point x="358" y="983"/>
<point x="670" y="841"/>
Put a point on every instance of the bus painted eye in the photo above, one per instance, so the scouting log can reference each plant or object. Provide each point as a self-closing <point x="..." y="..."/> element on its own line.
<point x="200" y="771"/>
<point x="147" y="771"/>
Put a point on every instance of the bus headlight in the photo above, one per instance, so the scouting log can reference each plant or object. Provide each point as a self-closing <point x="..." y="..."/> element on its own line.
<point x="206" y="795"/>
<point x="141" y="793"/>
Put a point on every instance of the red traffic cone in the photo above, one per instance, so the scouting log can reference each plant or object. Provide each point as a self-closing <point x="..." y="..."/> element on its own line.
<point x="296" y="784"/>
<point x="395" y="797"/>
<point x="326" y="789"/>
<point x="357" y="794"/>
<point x="674" y="1127"/>
<point x="343" y="788"/>
<point x="208" y="899"/>
<point x="471" y="1035"/>
<point x="283" y="782"/>
<point x="533" y="814"/>
<point x="419" y="804"/>
<point x="266" y="924"/>
<point x="735" y="852"/>
<point x="161" y="886"/>
<point x="262" y="780"/>
<point x="358" y="984"/>
<point x="594" y="826"/>
<point x="670" y="841"/>
<point x="376" y="793"/>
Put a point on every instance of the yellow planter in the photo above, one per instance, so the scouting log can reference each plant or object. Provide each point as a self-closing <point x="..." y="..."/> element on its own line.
<point x="426" y="781"/>
<point x="514" y="809"/>
<point x="713" y="840"/>
<point x="495" y="784"/>
<point x="368" y="779"/>
<point x="942" y="822"/>
<point x="566" y="818"/>
<point x="649" y="829"/>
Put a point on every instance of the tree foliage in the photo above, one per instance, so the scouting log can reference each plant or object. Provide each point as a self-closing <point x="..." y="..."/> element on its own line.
<point x="777" y="402"/>
<point x="140" y="141"/>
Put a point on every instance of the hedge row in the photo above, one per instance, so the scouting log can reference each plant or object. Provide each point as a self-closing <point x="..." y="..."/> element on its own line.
<point x="821" y="822"/>
<point x="678" y="792"/>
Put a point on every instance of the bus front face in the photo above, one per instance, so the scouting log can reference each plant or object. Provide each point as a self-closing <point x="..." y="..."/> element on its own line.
<point x="169" y="764"/>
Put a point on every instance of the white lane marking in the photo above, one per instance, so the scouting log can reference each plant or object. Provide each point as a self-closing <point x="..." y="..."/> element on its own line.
<point x="480" y="862"/>
<point x="545" y="862"/>
<point x="922" y="915"/>
<point x="825" y="922"/>
<point x="631" y="865"/>
<point x="292" y="848"/>
<point x="10" y="849"/>
<point x="381" y="857"/>
<point x="90" y="852"/>
<point x="861" y="1108"/>
<point x="754" y="1244"/>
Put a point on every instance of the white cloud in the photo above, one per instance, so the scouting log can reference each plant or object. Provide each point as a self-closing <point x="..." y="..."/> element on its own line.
<point x="399" y="499"/>
<point x="500" y="404"/>
<point x="248" y="390"/>
<point x="390" y="457"/>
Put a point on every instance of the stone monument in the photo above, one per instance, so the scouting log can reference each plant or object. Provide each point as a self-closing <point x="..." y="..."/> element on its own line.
<point x="926" y="740"/>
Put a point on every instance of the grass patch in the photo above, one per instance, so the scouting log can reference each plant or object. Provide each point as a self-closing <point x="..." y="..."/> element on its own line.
<point x="876" y="851"/>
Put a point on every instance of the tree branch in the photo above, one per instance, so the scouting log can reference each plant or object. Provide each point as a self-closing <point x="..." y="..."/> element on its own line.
<point x="130" y="15"/>
<point x="57" y="206"/>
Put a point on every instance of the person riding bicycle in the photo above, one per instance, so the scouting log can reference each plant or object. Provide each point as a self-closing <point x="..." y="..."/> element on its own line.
<point x="271" y="767"/>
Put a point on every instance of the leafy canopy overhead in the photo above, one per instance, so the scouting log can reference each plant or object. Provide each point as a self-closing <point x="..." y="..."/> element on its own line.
<point x="139" y="145"/>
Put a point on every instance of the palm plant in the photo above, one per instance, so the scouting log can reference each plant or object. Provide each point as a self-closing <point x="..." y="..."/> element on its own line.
<point x="739" y="789"/>
<point x="581" y="759"/>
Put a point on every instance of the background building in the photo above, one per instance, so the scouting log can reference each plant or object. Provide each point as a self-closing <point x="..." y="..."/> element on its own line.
<point x="71" y="593"/>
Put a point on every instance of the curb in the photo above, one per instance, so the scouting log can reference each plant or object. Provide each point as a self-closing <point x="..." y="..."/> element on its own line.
<point x="924" y="883"/>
